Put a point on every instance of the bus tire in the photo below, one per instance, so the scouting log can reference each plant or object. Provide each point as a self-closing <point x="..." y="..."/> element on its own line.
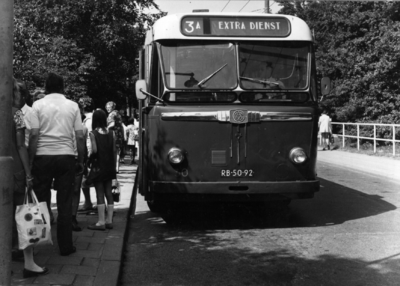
<point x="156" y="207"/>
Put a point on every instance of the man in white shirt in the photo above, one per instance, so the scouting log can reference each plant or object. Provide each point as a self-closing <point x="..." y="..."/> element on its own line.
<point x="51" y="153"/>
<point x="325" y="129"/>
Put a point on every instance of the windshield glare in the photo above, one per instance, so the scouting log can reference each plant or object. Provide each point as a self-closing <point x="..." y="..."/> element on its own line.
<point x="199" y="65"/>
<point x="274" y="65"/>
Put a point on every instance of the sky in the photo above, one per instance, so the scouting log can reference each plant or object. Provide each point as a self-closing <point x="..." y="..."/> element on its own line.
<point x="243" y="6"/>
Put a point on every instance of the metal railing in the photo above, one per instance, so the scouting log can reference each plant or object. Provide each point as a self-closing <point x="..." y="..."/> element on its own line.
<point x="373" y="138"/>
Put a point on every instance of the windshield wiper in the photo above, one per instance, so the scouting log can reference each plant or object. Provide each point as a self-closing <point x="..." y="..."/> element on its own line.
<point x="210" y="76"/>
<point x="259" y="80"/>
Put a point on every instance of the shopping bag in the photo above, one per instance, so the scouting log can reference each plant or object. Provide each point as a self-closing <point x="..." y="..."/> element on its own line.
<point x="33" y="222"/>
<point x="331" y="138"/>
<point x="115" y="190"/>
<point x="94" y="170"/>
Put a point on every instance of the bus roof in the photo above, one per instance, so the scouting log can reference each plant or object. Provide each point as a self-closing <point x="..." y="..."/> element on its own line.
<point x="229" y="26"/>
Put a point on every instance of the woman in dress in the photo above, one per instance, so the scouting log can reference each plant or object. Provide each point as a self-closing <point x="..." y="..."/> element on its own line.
<point x="114" y="123"/>
<point x="104" y="151"/>
<point x="22" y="177"/>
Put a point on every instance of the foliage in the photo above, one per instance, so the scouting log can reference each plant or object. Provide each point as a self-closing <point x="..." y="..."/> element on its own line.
<point x="92" y="44"/>
<point x="357" y="46"/>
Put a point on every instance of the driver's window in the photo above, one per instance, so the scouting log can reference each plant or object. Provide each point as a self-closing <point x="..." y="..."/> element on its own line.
<point x="199" y="64"/>
<point x="274" y="65"/>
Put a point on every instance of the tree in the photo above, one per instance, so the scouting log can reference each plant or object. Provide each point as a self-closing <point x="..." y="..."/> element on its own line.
<point x="357" y="46"/>
<point x="92" y="44"/>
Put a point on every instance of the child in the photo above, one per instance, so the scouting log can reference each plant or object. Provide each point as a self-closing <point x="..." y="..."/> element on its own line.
<point x="105" y="152"/>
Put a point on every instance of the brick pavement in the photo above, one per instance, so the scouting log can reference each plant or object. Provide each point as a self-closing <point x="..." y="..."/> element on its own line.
<point x="98" y="258"/>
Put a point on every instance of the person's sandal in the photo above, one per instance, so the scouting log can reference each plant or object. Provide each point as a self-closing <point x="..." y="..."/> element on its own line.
<point x="109" y="226"/>
<point x="96" y="227"/>
<point x="28" y="273"/>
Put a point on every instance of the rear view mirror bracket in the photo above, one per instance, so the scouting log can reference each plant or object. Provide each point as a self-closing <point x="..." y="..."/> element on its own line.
<point x="141" y="91"/>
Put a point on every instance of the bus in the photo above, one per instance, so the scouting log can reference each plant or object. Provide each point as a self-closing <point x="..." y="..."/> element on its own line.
<point x="228" y="110"/>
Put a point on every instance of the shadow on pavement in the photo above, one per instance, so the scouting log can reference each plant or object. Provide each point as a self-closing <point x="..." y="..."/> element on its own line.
<point x="160" y="254"/>
<point x="334" y="204"/>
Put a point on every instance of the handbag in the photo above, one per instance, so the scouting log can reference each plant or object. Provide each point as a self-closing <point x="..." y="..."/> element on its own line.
<point x="93" y="170"/>
<point x="33" y="222"/>
<point x="331" y="138"/>
<point x="115" y="190"/>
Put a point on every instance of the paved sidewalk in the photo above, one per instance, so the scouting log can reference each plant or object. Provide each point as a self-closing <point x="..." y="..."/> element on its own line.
<point x="374" y="165"/>
<point x="99" y="253"/>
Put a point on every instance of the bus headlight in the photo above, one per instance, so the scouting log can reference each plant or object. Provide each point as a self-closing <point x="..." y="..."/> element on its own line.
<point x="175" y="155"/>
<point x="298" y="155"/>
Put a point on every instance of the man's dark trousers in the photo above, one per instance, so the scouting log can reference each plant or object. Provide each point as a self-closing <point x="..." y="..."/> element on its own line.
<point x="61" y="168"/>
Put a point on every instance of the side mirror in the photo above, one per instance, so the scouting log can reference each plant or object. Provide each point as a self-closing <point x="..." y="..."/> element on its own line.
<point x="325" y="85"/>
<point x="141" y="86"/>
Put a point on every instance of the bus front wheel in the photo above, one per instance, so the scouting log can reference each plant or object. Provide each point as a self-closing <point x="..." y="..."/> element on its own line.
<point x="156" y="206"/>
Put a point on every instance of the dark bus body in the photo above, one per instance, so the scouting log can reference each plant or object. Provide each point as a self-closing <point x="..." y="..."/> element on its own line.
<point x="214" y="126"/>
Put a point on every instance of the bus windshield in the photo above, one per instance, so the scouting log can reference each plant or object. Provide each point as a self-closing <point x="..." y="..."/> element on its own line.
<point x="199" y="65"/>
<point x="274" y="65"/>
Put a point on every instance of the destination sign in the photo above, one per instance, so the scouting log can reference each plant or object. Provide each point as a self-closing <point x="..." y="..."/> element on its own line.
<point x="235" y="26"/>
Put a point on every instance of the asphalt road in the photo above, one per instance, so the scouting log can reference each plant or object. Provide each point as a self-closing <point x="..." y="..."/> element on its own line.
<point x="349" y="234"/>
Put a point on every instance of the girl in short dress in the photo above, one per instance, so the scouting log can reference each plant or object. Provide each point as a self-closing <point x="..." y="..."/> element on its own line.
<point x="104" y="150"/>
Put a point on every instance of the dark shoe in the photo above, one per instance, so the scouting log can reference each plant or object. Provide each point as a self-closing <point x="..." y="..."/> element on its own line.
<point x="17" y="254"/>
<point x="96" y="227"/>
<point x="66" y="253"/>
<point x="28" y="273"/>
<point x="329" y="147"/>
<point x="85" y="209"/>
<point x="323" y="149"/>
<point x="109" y="226"/>
<point x="75" y="226"/>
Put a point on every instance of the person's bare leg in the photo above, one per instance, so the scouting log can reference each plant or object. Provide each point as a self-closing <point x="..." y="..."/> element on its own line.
<point x="29" y="263"/>
<point x="88" y="205"/>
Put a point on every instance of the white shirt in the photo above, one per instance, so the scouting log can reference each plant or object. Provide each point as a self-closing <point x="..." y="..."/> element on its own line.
<point x="125" y="135"/>
<point x="136" y="123"/>
<point x="324" y="124"/>
<point x="57" y="119"/>
<point x="27" y="112"/>
<point x="87" y="122"/>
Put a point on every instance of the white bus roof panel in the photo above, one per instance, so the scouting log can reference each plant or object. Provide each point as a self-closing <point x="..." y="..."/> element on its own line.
<point x="169" y="27"/>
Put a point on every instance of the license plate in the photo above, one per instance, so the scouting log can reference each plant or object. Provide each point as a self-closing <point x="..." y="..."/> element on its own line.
<point x="237" y="173"/>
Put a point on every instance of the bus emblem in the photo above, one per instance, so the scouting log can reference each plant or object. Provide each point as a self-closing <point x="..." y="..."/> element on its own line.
<point x="239" y="116"/>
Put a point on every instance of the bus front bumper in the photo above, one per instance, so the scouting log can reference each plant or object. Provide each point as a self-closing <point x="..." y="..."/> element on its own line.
<point x="291" y="190"/>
